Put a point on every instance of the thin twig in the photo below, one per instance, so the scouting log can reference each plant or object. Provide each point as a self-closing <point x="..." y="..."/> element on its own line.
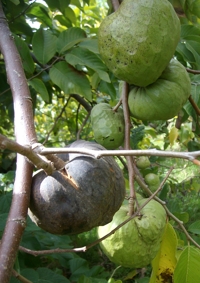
<point x="115" y="4"/>
<point x="82" y="126"/>
<point x="56" y="120"/>
<point x="127" y="146"/>
<point x="20" y="277"/>
<point x="191" y="156"/>
<point x="194" y="105"/>
<point x="115" y="108"/>
<point x="193" y="71"/>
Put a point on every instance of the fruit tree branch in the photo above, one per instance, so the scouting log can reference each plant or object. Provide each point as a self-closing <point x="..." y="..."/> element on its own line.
<point x="127" y="146"/>
<point x="25" y="134"/>
<point x="27" y="151"/>
<point x="115" y="4"/>
<point x="194" y="105"/>
<point x="191" y="156"/>
<point x="193" y="71"/>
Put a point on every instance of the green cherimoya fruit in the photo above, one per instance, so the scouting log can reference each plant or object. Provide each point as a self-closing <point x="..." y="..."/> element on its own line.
<point x="138" y="40"/>
<point x="135" y="244"/>
<point x="108" y="125"/>
<point x="143" y="162"/>
<point x="164" y="98"/>
<point x="153" y="181"/>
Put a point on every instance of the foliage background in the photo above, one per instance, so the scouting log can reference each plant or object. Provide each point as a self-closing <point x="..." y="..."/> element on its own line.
<point x="57" y="42"/>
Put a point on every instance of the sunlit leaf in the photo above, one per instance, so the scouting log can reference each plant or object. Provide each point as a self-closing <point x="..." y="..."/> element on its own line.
<point x="173" y="135"/>
<point x="164" y="263"/>
<point x="70" y="80"/>
<point x="70" y="37"/>
<point x="41" y="13"/>
<point x="187" y="269"/>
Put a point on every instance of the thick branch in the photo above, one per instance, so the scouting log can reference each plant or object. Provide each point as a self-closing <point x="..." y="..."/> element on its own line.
<point x="25" y="134"/>
<point x="27" y="151"/>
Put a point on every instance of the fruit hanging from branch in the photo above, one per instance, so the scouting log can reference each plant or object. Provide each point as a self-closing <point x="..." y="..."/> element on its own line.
<point x="84" y="195"/>
<point x="108" y="125"/>
<point x="135" y="244"/>
<point x="138" y="40"/>
<point x="163" y="99"/>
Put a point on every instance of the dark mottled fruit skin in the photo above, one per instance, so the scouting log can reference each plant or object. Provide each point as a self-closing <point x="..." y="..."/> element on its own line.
<point x="60" y="207"/>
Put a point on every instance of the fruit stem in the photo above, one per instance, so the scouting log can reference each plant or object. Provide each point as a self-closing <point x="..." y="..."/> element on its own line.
<point x="129" y="159"/>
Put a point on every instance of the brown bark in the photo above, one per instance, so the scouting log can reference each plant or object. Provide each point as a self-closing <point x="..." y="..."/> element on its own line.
<point x="25" y="134"/>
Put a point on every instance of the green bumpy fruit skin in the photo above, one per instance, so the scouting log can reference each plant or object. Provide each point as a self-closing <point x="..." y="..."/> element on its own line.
<point x="153" y="181"/>
<point x="138" y="40"/>
<point x="163" y="99"/>
<point x="135" y="244"/>
<point x="108" y="125"/>
<point x="143" y="162"/>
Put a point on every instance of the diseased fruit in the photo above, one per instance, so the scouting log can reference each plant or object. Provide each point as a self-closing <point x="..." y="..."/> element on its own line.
<point x="86" y="195"/>
<point x="163" y="99"/>
<point x="138" y="40"/>
<point x="108" y="125"/>
<point x="153" y="181"/>
<point x="135" y="244"/>
<point x="143" y="162"/>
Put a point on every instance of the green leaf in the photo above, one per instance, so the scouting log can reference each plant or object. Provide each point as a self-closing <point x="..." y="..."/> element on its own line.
<point x="50" y="276"/>
<point x="70" y="37"/>
<point x="16" y="2"/>
<point x="44" y="45"/>
<point x="188" y="30"/>
<point x="90" y="44"/>
<point x="195" y="54"/>
<point x="84" y="57"/>
<point x="41" y="12"/>
<point x="58" y="4"/>
<point x="25" y="55"/>
<point x="70" y="80"/>
<point x="187" y="269"/>
<point x="108" y="89"/>
<point x="70" y="15"/>
<point x="40" y="88"/>
<point x="195" y="228"/>
<point x="183" y="216"/>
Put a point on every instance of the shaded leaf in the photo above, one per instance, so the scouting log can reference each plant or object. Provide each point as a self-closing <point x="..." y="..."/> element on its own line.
<point x="84" y="57"/>
<point x="90" y="44"/>
<point x="70" y="37"/>
<point x="40" y="88"/>
<point x="70" y="80"/>
<point x="25" y="55"/>
<point x="187" y="269"/>
<point x="58" y="4"/>
<point x="195" y="228"/>
<point x="44" y="45"/>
